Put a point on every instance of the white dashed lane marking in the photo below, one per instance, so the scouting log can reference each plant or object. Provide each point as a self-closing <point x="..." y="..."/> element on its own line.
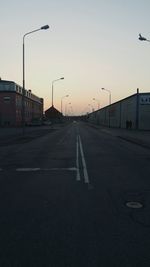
<point x="45" y="169"/>
<point x="41" y="169"/>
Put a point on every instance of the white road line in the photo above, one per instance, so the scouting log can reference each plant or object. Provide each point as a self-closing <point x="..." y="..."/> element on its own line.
<point x="28" y="169"/>
<point x="45" y="169"/>
<point x="86" y="177"/>
<point x="60" y="169"/>
<point x="78" y="178"/>
<point x="1" y="169"/>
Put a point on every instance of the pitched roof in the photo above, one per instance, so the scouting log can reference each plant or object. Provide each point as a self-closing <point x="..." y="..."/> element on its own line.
<point x="53" y="113"/>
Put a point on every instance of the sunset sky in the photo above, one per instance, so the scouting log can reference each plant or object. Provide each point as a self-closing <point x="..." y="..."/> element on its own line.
<point x="91" y="43"/>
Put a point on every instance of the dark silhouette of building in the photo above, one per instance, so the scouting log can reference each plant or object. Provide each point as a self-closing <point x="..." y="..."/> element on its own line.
<point x="53" y="114"/>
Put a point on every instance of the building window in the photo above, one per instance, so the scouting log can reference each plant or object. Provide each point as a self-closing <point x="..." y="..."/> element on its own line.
<point x="6" y="123"/>
<point x="6" y="99"/>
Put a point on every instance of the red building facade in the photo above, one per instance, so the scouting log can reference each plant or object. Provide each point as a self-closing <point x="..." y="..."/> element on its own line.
<point x="11" y="105"/>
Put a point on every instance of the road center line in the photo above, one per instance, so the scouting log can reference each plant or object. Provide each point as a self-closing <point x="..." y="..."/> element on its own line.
<point x="27" y="169"/>
<point x="78" y="178"/>
<point x="86" y="177"/>
<point x="60" y="169"/>
<point x="45" y="169"/>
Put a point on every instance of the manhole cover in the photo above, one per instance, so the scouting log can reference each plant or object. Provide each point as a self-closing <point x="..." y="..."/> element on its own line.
<point x="134" y="205"/>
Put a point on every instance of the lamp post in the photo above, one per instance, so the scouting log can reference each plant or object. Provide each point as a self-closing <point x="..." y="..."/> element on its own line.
<point x="45" y="27"/>
<point x="69" y="111"/>
<point x="109" y="94"/>
<point x="66" y="108"/>
<point x="61" y="103"/>
<point x="109" y="104"/>
<point x="141" y="38"/>
<point x="92" y="109"/>
<point x="53" y="87"/>
<point x="98" y="105"/>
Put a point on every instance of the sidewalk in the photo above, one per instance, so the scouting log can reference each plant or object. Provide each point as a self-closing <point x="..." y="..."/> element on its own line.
<point x="9" y="136"/>
<point x="139" y="137"/>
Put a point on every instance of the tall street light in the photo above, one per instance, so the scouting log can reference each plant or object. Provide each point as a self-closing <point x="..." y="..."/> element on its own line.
<point x="98" y="105"/>
<point x="61" y="103"/>
<point x="92" y="109"/>
<point x="109" y="94"/>
<point x="109" y="103"/>
<point x="45" y="27"/>
<point x="53" y="88"/>
<point x="141" y="38"/>
<point x="66" y="108"/>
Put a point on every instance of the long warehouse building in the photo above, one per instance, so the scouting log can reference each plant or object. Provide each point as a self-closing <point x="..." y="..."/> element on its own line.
<point x="132" y="112"/>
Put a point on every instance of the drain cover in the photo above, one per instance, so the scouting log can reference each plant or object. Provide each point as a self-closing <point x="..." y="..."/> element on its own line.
<point x="134" y="205"/>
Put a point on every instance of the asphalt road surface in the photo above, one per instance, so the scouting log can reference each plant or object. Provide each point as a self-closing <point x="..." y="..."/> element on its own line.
<point x="75" y="196"/>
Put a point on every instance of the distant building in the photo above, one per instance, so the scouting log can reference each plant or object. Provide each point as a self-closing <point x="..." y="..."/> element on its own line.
<point x="53" y="114"/>
<point x="11" y="105"/>
<point x="132" y="112"/>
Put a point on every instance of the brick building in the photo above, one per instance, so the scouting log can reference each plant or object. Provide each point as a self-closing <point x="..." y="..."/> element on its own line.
<point x="11" y="105"/>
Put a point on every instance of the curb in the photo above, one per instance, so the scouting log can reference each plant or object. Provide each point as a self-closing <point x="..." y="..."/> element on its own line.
<point x="135" y="141"/>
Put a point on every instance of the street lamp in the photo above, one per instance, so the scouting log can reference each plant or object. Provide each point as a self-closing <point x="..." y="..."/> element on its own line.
<point x="45" y="27"/>
<point x="109" y="94"/>
<point x="109" y="102"/>
<point x="69" y="111"/>
<point x="53" y="87"/>
<point x="98" y="105"/>
<point x="91" y="107"/>
<point x="66" y="108"/>
<point x="141" y="38"/>
<point x="61" y="103"/>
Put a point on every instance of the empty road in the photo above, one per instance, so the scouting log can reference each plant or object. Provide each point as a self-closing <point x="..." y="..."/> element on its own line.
<point x="75" y="196"/>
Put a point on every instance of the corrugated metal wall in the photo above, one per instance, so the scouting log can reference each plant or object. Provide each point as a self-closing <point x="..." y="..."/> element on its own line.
<point x="131" y="112"/>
